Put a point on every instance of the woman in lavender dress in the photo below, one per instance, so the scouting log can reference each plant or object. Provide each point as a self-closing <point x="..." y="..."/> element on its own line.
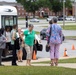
<point x="55" y="41"/>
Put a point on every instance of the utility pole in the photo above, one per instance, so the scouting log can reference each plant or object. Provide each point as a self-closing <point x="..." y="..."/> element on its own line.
<point x="63" y="13"/>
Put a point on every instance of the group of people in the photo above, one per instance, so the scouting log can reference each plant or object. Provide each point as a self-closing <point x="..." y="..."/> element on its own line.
<point x="16" y="40"/>
<point x="26" y="39"/>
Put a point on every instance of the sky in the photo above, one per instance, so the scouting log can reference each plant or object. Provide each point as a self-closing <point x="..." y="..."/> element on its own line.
<point x="8" y="0"/>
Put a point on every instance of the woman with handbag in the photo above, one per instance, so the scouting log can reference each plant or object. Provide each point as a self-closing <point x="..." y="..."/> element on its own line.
<point x="29" y="42"/>
<point x="48" y="35"/>
<point x="30" y="36"/>
<point x="55" y="41"/>
<point x="13" y="44"/>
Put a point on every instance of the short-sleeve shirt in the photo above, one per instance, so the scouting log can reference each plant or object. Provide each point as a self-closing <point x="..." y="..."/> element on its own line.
<point x="8" y="36"/>
<point x="29" y="37"/>
<point x="12" y="41"/>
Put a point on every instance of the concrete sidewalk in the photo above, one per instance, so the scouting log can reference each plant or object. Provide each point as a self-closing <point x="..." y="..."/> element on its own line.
<point x="67" y="65"/>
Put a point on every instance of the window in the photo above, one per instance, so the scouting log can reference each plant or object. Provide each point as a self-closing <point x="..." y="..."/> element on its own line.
<point x="23" y="13"/>
<point x="8" y="21"/>
<point x="19" y="9"/>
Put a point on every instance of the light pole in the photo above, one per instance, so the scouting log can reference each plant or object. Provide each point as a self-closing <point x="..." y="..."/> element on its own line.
<point x="75" y="10"/>
<point x="63" y="13"/>
<point x="26" y="17"/>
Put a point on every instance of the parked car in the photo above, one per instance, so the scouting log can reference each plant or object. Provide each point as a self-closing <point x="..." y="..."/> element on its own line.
<point x="43" y="34"/>
<point x="34" y="20"/>
<point x="50" y="18"/>
<point x="70" y="18"/>
<point x="60" y="19"/>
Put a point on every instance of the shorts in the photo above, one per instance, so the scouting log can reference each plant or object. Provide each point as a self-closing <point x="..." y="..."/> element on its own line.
<point x="29" y="51"/>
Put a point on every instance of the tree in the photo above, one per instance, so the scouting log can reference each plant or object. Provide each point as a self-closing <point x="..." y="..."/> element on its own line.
<point x="57" y="5"/>
<point x="68" y="3"/>
<point x="29" y="5"/>
<point x="33" y="5"/>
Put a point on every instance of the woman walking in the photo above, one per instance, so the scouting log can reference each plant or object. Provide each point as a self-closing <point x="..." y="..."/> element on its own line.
<point x="55" y="41"/>
<point x="29" y="42"/>
<point x="13" y="44"/>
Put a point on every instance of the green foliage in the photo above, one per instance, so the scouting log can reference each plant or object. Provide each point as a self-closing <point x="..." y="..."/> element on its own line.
<point x="44" y="3"/>
<point x="33" y="5"/>
<point x="54" y="5"/>
<point x="68" y="4"/>
<point x="57" y="5"/>
<point x="29" y="5"/>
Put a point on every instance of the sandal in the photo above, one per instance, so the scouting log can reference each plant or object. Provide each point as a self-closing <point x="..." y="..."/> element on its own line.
<point x="52" y="64"/>
<point x="56" y="64"/>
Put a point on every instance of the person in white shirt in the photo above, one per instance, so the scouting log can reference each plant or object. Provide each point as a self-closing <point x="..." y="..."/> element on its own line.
<point x="8" y="39"/>
<point x="20" y="52"/>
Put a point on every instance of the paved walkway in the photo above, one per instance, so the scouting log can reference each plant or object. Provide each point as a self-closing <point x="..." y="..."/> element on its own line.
<point x="67" y="65"/>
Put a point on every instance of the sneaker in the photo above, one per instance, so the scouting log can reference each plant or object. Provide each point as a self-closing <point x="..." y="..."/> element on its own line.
<point x="14" y="65"/>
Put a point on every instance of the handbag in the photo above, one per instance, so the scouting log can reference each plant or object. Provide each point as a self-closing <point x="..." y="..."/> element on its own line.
<point x="63" y="38"/>
<point x="48" y="47"/>
<point x="39" y="46"/>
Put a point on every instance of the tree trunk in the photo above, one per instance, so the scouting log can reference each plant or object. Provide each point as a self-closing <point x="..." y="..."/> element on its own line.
<point x="34" y="14"/>
<point x="56" y="14"/>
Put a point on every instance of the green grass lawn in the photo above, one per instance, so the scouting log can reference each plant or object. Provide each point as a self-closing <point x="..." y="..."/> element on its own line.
<point x="66" y="27"/>
<point x="70" y="60"/>
<point x="69" y="27"/>
<point x="71" y="37"/>
<point x="37" y="32"/>
<point x="36" y="71"/>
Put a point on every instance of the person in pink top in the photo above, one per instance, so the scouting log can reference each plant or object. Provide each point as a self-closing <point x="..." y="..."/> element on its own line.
<point x="55" y="41"/>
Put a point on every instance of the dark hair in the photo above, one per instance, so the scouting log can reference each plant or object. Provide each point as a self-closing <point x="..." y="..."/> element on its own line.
<point x="50" y="22"/>
<point x="14" y="26"/>
<point x="30" y="25"/>
<point x="54" y="20"/>
<point x="2" y="31"/>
